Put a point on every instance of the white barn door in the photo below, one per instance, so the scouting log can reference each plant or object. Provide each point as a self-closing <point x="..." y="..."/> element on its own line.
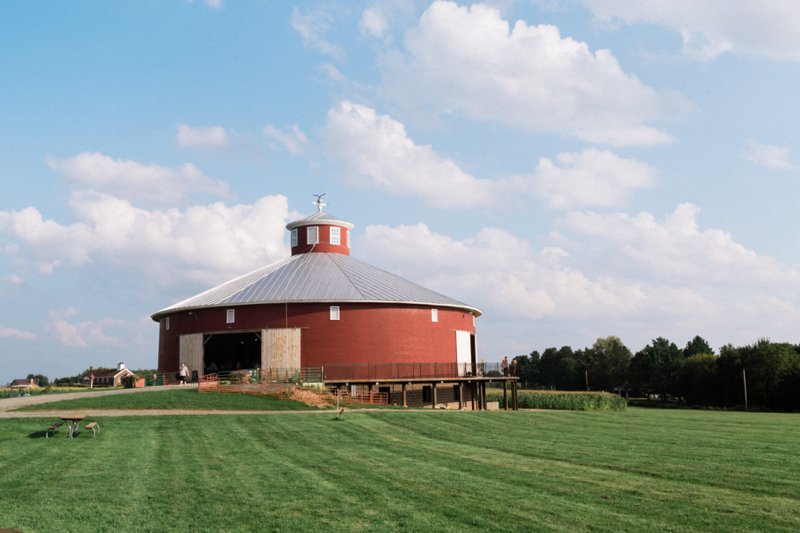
<point x="464" y="352"/>
<point x="191" y="352"/>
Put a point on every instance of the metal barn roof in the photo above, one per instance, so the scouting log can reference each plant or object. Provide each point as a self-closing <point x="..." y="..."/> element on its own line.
<point x="319" y="217"/>
<point x="317" y="277"/>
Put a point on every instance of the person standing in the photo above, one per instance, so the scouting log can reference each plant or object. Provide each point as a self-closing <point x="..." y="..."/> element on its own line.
<point x="183" y="373"/>
<point x="504" y="365"/>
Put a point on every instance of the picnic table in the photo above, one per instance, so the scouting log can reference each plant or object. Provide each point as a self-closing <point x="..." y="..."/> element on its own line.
<point x="72" y="422"/>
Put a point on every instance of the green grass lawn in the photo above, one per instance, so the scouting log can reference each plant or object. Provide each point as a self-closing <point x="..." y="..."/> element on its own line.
<point x="177" y="398"/>
<point x="637" y="470"/>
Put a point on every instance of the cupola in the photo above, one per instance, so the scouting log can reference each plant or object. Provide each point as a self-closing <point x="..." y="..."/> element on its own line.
<point x="320" y="232"/>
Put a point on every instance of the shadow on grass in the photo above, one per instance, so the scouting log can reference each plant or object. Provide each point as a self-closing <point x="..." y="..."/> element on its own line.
<point x="43" y="435"/>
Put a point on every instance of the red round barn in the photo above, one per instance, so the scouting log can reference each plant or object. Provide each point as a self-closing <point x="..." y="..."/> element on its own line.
<point x="318" y="308"/>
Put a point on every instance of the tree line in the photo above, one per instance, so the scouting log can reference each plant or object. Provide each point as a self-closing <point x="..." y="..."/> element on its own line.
<point x="764" y="375"/>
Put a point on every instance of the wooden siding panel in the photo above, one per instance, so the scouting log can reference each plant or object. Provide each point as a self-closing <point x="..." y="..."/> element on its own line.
<point x="191" y="352"/>
<point x="280" y="348"/>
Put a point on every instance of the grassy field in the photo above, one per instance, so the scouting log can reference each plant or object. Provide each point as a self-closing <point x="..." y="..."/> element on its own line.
<point x="176" y="398"/>
<point x="637" y="470"/>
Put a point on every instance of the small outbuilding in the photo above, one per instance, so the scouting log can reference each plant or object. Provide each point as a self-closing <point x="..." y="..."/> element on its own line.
<point x="109" y="378"/>
<point x="22" y="383"/>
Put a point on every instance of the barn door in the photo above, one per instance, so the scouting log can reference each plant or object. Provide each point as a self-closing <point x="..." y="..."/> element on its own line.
<point x="464" y="353"/>
<point x="191" y="352"/>
<point x="280" y="348"/>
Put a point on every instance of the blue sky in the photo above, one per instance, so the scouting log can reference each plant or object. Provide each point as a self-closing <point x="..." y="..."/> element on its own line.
<point x="576" y="169"/>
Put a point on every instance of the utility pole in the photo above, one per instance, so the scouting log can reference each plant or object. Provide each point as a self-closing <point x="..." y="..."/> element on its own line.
<point x="744" y="382"/>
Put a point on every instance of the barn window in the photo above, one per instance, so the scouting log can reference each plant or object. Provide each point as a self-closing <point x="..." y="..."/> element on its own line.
<point x="434" y="315"/>
<point x="336" y="237"/>
<point x="166" y="323"/>
<point x="230" y="316"/>
<point x="312" y="235"/>
<point x="334" y="312"/>
<point x="294" y="237"/>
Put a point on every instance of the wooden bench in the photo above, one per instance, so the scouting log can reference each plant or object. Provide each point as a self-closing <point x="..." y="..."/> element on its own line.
<point x="52" y="429"/>
<point x="94" y="426"/>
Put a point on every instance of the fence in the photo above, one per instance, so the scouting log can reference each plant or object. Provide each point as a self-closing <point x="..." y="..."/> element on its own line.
<point x="154" y="379"/>
<point x="256" y="380"/>
<point x="349" y="396"/>
<point x="344" y="371"/>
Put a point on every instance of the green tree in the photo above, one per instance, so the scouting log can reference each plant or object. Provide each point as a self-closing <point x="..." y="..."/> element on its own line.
<point x="772" y="371"/>
<point x="697" y="345"/>
<point x="560" y="369"/>
<point x="656" y="368"/>
<point x="607" y="363"/>
<point x="527" y="368"/>
<point x="699" y="384"/>
<point x="39" y="379"/>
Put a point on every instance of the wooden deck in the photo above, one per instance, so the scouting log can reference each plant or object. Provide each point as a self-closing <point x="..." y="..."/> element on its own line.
<point x="475" y="385"/>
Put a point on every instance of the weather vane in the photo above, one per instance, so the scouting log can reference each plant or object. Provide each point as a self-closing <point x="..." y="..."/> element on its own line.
<point x="319" y="203"/>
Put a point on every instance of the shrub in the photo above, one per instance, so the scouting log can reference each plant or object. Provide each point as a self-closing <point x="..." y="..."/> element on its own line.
<point x="565" y="400"/>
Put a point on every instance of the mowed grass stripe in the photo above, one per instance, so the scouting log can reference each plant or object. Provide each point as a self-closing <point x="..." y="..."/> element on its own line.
<point x="405" y="471"/>
<point x="608" y="480"/>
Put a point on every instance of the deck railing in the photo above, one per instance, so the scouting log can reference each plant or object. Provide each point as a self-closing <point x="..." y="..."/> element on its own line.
<point x="343" y="371"/>
<point x="348" y="371"/>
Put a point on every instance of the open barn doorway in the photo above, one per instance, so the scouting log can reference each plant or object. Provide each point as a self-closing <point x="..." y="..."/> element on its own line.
<point x="231" y="351"/>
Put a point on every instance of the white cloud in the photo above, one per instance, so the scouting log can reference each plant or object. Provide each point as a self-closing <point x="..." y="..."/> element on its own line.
<point x="205" y="244"/>
<point x="376" y="147"/>
<point x="84" y="333"/>
<point x="11" y="333"/>
<point x="373" y="22"/>
<point x="333" y="73"/>
<point x="590" y="178"/>
<point x="312" y="26"/>
<point x="678" y="250"/>
<point x="13" y="279"/>
<point x="712" y="27"/>
<point x="293" y="140"/>
<point x="469" y="60"/>
<point x="130" y="179"/>
<point x="213" y="4"/>
<point x="498" y="272"/>
<point x="202" y="137"/>
<point x="774" y="157"/>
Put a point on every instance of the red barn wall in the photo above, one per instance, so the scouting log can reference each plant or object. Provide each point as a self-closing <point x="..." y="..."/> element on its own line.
<point x="365" y="332"/>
